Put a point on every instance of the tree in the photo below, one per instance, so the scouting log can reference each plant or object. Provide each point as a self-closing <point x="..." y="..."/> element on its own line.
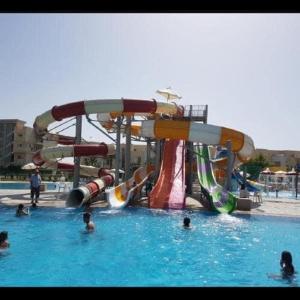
<point x="255" y="166"/>
<point x="91" y="161"/>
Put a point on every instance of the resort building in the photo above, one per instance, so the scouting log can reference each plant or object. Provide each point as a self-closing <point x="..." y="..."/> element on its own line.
<point x="138" y="157"/>
<point x="16" y="143"/>
<point x="280" y="159"/>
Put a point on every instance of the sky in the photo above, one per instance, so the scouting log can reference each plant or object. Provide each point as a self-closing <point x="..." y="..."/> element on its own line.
<point x="245" y="67"/>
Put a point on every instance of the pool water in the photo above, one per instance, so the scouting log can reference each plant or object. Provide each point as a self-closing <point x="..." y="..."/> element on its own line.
<point x="141" y="247"/>
<point x="281" y="195"/>
<point x="25" y="185"/>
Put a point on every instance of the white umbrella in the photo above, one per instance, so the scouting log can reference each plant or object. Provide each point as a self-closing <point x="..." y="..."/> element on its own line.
<point x="280" y="173"/>
<point x="30" y="166"/>
<point x="242" y="174"/>
<point x="169" y="94"/>
<point x="267" y="171"/>
<point x="292" y="172"/>
<point x="120" y="171"/>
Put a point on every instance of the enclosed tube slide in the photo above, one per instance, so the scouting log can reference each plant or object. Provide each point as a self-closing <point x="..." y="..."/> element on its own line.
<point x="43" y="155"/>
<point x="219" y="199"/>
<point x="60" y="139"/>
<point x="58" y="113"/>
<point x="251" y="186"/>
<point x="169" y="191"/>
<point x="113" y="107"/>
<point x="119" y="196"/>
<point x="84" y="194"/>
<point x="83" y="169"/>
<point x="80" y="196"/>
<point x="242" y="144"/>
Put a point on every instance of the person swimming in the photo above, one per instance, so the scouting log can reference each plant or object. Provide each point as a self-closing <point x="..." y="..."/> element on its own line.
<point x="21" y="210"/>
<point x="90" y="226"/>
<point x="287" y="268"/>
<point x="186" y="222"/>
<point x="4" y="243"/>
<point x="286" y="264"/>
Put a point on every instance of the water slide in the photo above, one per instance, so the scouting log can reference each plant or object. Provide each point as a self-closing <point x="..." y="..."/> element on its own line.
<point x="251" y="186"/>
<point x="79" y="196"/>
<point x="109" y="109"/>
<point x="119" y="196"/>
<point x="169" y="190"/>
<point x="88" y="193"/>
<point x="242" y="146"/>
<point x="219" y="199"/>
<point x="221" y="162"/>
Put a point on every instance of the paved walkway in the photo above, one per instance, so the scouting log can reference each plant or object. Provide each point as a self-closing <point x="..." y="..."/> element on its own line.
<point x="273" y="207"/>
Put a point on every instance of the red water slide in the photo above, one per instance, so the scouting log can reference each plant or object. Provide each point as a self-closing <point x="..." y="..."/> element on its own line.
<point x="169" y="191"/>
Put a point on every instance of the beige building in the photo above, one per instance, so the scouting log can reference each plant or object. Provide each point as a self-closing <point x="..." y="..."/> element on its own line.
<point x="16" y="143"/>
<point x="283" y="159"/>
<point x="138" y="157"/>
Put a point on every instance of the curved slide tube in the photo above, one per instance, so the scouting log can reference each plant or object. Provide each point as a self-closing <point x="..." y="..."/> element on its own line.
<point x="58" y="113"/>
<point x="60" y="139"/>
<point x="83" y="169"/>
<point x="78" y="197"/>
<point x="119" y="196"/>
<point x="169" y="191"/>
<point x="111" y="106"/>
<point x="242" y="144"/>
<point x="220" y="200"/>
<point x="43" y="155"/>
<point x="88" y="193"/>
<point x="251" y="186"/>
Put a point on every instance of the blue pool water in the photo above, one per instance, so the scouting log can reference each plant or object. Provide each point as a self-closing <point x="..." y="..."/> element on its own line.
<point x="24" y="185"/>
<point x="141" y="247"/>
<point x="282" y="195"/>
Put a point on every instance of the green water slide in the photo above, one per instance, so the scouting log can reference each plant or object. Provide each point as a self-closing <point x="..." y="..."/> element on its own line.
<point x="220" y="199"/>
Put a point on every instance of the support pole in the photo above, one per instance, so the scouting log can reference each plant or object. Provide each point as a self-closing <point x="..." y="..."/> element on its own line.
<point x="128" y="147"/>
<point x="229" y="165"/>
<point x="245" y="174"/>
<point x="77" y="159"/>
<point x="157" y="158"/>
<point x="189" y="146"/>
<point x="148" y="158"/>
<point x="296" y="184"/>
<point x="118" y="151"/>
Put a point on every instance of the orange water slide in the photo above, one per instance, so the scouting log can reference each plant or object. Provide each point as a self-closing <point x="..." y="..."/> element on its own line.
<point x="169" y="191"/>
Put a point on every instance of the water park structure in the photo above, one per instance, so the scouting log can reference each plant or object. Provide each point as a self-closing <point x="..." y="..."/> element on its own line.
<point x="176" y="134"/>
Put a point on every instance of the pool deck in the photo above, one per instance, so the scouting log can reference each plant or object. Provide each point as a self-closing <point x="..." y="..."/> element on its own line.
<point x="269" y="206"/>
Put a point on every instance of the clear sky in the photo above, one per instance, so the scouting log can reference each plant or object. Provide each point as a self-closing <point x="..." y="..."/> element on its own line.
<point x="245" y="67"/>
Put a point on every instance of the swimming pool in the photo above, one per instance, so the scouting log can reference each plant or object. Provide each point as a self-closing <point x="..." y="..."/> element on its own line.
<point x="141" y="247"/>
<point x="282" y="195"/>
<point x="14" y="185"/>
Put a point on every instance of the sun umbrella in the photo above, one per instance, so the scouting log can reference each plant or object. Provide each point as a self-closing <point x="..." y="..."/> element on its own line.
<point x="280" y="173"/>
<point x="169" y="94"/>
<point x="30" y="166"/>
<point x="267" y="171"/>
<point x="120" y="170"/>
<point x="292" y="172"/>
